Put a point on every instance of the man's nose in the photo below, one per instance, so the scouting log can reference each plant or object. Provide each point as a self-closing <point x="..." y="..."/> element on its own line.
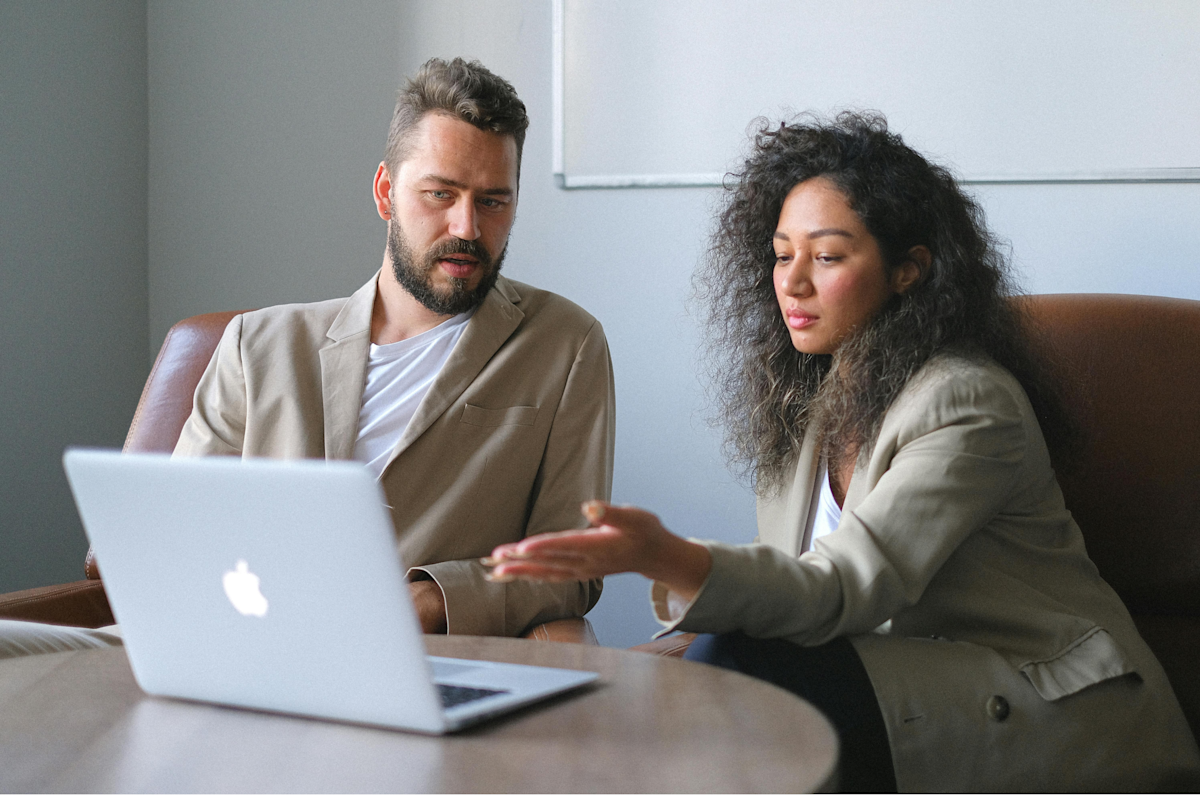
<point x="463" y="221"/>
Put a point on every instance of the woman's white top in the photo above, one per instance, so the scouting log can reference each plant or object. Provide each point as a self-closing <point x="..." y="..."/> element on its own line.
<point x="826" y="513"/>
<point x="398" y="378"/>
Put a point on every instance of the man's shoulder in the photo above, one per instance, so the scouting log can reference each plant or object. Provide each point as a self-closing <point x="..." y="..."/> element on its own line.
<point x="305" y="324"/>
<point x="294" y="314"/>
<point x="544" y="305"/>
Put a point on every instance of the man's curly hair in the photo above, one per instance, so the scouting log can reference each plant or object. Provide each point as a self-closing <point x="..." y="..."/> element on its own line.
<point x="767" y="393"/>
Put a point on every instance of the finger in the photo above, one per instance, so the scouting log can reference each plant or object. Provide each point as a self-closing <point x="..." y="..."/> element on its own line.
<point x="593" y="511"/>
<point x="531" y="572"/>
<point x="502" y="553"/>
<point x="577" y="545"/>
<point x="599" y="513"/>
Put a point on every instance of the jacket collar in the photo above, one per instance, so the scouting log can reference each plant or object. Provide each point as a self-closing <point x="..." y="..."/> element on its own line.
<point x="489" y="328"/>
<point x="344" y="370"/>
<point x="344" y="364"/>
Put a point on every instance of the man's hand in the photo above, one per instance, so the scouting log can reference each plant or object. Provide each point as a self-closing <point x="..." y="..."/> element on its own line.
<point x="431" y="605"/>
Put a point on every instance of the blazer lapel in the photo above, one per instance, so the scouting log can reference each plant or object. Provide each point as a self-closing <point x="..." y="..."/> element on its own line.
<point x="783" y="519"/>
<point x="344" y="371"/>
<point x="858" y="487"/>
<point x="490" y="326"/>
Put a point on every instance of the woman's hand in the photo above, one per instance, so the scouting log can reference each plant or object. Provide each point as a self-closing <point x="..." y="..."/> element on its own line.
<point x="622" y="539"/>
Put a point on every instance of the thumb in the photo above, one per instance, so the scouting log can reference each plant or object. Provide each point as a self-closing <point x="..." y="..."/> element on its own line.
<point x="600" y="513"/>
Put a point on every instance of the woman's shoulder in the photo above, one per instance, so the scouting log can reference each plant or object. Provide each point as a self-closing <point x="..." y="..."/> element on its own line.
<point x="951" y="385"/>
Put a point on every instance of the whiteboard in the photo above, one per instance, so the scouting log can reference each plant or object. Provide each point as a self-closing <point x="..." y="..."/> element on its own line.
<point x="662" y="92"/>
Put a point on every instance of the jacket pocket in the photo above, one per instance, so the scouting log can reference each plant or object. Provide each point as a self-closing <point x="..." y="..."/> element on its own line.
<point x="480" y="417"/>
<point x="1090" y="659"/>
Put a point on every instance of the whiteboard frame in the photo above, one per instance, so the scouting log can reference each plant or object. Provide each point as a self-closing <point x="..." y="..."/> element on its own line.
<point x="558" y="88"/>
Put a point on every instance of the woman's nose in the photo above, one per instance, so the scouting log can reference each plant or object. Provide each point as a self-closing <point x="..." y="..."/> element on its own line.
<point x="796" y="280"/>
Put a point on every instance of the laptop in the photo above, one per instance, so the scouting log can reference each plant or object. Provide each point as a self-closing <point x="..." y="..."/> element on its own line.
<point x="275" y="585"/>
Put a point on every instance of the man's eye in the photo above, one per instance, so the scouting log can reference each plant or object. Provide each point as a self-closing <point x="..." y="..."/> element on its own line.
<point x="490" y="202"/>
<point x="439" y="194"/>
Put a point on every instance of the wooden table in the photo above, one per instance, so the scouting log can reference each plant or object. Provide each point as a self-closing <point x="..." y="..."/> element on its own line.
<point x="77" y="722"/>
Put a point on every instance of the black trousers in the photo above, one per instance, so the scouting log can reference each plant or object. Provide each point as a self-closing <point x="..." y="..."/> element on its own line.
<point x="831" y="677"/>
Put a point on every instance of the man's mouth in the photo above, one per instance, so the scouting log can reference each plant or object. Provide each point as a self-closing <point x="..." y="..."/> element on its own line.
<point x="458" y="265"/>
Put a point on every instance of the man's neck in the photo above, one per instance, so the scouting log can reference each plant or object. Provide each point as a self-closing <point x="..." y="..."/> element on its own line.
<point x="398" y="315"/>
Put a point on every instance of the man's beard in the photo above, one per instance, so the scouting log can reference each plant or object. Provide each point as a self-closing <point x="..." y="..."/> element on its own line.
<point x="414" y="273"/>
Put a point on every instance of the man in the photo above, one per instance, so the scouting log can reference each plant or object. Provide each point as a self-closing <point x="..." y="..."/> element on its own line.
<point x="485" y="406"/>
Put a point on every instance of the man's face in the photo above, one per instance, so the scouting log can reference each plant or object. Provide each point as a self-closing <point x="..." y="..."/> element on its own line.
<point x="453" y="202"/>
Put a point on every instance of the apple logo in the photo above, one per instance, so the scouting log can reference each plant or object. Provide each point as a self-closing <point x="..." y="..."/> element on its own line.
<point x="241" y="587"/>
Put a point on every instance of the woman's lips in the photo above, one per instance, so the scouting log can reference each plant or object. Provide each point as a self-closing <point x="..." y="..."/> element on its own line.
<point x="799" y="319"/>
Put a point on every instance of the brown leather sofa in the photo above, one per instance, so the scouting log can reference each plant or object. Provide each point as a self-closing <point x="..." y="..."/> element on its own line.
<point x="1136" y="493"/>
<point x="165" y="405"/>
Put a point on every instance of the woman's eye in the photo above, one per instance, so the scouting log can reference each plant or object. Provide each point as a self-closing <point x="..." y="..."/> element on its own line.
<point x="826" y="258"/>
<point x="782" y="258"/>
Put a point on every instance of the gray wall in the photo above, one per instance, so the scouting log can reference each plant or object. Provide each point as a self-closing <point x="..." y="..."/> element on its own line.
<point x="72" y="262"/>
<point x="266" y="122"/>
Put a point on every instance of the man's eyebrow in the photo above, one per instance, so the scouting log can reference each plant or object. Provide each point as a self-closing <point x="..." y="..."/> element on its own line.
<point x="453" y="184"/>
<point x="817" y="234"/>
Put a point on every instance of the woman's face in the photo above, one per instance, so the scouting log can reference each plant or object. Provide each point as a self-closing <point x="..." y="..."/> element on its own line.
<point x="829" y="273"/>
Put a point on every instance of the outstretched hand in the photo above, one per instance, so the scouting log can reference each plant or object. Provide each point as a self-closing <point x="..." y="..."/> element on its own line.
<point x="621" y="539"/>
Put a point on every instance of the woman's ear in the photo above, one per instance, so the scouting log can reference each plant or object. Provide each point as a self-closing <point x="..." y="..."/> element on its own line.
<point x="912" y="269"/>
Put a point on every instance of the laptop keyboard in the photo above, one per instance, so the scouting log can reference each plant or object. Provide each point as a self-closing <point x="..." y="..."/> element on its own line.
<point x="457" y="695"/>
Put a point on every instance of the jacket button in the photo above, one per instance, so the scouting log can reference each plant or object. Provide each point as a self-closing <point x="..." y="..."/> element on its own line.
<point x="997" y="708"/>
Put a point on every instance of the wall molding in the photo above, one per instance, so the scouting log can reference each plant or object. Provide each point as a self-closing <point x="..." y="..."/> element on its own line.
<point x="716" y="179"/>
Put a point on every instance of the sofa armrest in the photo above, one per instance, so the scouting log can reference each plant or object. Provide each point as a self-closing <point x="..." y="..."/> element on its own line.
<point x="667" y="646"/>
<point x="81" y="603"/>
<point x="573" y="630"/>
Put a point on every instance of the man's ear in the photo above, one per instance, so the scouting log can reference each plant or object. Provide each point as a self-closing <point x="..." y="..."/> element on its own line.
<point x="383" y="191"/>
<point x="912" y="270"/>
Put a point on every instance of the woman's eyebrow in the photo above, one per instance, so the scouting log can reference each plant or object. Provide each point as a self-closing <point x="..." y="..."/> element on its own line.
<point x="817" y="234"/>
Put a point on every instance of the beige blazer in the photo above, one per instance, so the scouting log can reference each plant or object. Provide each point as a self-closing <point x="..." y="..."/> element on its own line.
<point x="1000" y="658"/>
<point x="515" y="433"/>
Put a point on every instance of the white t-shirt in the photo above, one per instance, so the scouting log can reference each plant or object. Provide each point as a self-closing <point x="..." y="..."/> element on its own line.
<point x="826" y="513"/>
<point x="398" y="378"/>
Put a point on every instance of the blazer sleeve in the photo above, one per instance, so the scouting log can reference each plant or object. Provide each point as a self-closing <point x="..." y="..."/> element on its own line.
<point x="217" y="424"/>
<point x="948" y="455"/>
<point x="576" y="466"/>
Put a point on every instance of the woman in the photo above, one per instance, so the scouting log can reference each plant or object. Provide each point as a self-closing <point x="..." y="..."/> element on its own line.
<point x="916" y="574"/>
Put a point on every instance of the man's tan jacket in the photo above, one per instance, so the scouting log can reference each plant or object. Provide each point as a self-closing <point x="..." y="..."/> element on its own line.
<point x="515" y="433"/>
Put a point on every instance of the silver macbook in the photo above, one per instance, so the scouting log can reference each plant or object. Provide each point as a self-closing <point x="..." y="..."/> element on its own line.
<point x="275" y="585"/>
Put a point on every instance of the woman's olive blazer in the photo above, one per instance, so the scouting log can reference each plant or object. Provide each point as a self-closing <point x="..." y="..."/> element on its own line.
<point x="1000" y="658"/>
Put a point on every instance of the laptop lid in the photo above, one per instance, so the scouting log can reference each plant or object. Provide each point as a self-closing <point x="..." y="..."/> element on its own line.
<point x="263" y="583"/>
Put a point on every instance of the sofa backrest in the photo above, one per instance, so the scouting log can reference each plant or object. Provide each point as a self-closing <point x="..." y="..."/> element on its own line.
<point x="166" y="400"/>
<point x="1136" y="494"/>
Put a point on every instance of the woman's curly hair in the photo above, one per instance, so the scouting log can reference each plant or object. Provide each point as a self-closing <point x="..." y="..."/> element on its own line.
<point x="768" y="393"/>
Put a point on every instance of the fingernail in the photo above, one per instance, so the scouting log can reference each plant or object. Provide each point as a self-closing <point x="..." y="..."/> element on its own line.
<point x="593" y="510"/>
<point x="492" y="577"/>
<point x="488" y="561"/>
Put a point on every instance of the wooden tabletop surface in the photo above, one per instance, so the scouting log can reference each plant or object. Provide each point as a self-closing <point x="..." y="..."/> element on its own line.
<point x="77" y="722"/>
